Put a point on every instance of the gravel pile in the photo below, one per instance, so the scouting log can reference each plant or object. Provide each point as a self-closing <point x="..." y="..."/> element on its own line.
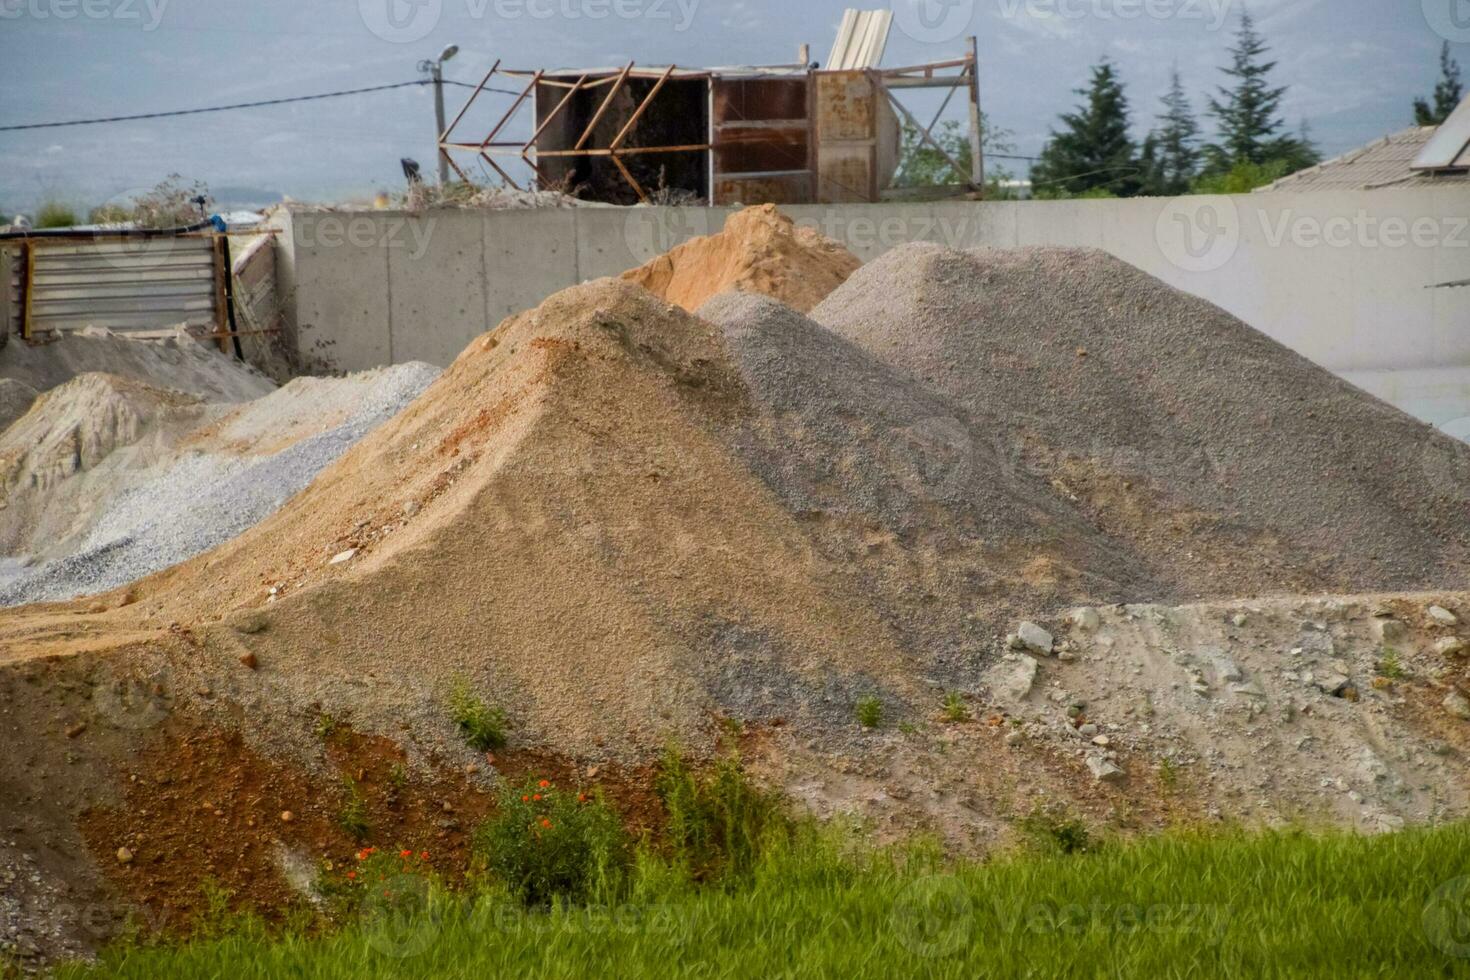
<point x="1176" y="427"/>
<point x="200" y="501"/>
<point x="903" y="488"/>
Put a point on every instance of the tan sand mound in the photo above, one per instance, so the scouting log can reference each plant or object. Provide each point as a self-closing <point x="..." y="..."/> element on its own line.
<point x="558" y="520"/>
<point x="760" y="250"/>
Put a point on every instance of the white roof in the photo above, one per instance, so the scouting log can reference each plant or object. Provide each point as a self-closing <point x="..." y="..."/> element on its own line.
<point x="860" y="40"/>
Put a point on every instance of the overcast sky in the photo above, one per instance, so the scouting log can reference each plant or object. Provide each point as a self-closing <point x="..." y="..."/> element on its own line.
<point x="1353" y="67"/>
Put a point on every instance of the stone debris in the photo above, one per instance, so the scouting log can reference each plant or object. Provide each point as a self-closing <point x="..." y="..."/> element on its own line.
<point x="1104" y="770"/>
<point x="1443" y="616"/>
<point x="1034" y="638"/>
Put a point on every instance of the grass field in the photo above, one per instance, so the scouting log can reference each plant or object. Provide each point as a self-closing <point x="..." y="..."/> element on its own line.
<point x="1185" y="904"/>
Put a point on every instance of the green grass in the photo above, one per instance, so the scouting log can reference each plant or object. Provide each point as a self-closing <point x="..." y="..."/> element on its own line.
<point x="481" y="726"/>
<point x="869" y="711"/>
<point x="955" y="709"/>
<point x="55" y="214"/>
<point x="1184" y="904"/>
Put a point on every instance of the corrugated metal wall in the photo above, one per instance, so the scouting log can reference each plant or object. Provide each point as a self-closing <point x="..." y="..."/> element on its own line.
<point x="120" y="283"/>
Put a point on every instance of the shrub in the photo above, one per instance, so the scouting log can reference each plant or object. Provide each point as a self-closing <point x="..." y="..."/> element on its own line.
<point x="1390" y="666"/>
<point x="1051" y="830"/>
<point x="718" y="823"/>
<point x="547" y="843"/>
<point x="482" y="726"/>
<point x="869" y="711"/>
<point x="55" y="214"/>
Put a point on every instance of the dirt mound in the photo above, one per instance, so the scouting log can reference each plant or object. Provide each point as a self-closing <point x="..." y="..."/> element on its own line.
<point x="761" y="251"/>
<point x="1173" y="424"/>
<point x="180" y="362"/>
<point x="559" y="520"/>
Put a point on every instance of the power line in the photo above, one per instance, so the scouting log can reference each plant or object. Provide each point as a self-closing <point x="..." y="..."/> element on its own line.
<point x="241" y="105"/>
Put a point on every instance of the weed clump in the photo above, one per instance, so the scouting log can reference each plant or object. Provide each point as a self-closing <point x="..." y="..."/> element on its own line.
<point x="482" y="727"/>
<point x="869" y="711"/>
<point x="718" y="823"/>
<point x="548" y="844"/>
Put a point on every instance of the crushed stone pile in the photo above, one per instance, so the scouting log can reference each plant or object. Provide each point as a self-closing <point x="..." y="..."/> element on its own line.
<point x="905" y="491"/>
<point x="15" y="400"/>
<point x="1174" y="425"/>
<point x="179" y="362"/>
<point x="761" y="251"/>
<point x="121" y="510"/>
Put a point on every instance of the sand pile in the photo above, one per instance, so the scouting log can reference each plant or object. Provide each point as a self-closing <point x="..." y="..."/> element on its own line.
<point x="761" y="251"/>
<point x="108" y="480"/>
<point x="1174" y="425"/>
<point x="181" y="363"/>
<point x="560" y="520"/>
<point x="52" y="459"/>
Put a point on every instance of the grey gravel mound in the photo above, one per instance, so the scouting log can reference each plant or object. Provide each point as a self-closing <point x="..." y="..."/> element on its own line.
<point x="16" y="398"/>
<point x="1175" y="423"/>
<point x="201" y="501"/>
<point x="902" y="487"/>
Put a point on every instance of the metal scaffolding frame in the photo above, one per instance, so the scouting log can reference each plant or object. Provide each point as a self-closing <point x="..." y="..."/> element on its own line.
<point x="957" y="74"/>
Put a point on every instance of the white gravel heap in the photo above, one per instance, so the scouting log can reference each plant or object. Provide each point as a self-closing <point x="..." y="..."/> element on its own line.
<point x="201" y="501"/>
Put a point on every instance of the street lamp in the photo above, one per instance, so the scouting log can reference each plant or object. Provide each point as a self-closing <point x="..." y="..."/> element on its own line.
<point x="436" y="75"/>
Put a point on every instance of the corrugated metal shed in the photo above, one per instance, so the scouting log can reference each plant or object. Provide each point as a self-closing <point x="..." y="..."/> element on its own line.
<point x="120" y="283"/>
<point x="1386" y="163"/>
<point x="860" y="40"/>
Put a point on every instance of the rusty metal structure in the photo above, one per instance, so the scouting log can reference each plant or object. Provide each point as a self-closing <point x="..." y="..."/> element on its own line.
<point x="781" y="134"/>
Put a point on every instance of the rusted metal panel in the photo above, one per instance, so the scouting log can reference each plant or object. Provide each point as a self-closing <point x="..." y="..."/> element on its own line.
<point x="122" y="283"/>
<point x="845" y="106"/>
<point x="762" y="147"/>
<point x="791" y="188"/>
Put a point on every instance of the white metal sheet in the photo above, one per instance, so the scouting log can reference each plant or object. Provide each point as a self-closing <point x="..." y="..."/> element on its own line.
<point x="861" y="40"/>
<point x="1450" y="144"/>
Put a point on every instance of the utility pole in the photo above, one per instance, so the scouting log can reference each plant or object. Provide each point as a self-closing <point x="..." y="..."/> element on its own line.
<point x="435" y="69"/>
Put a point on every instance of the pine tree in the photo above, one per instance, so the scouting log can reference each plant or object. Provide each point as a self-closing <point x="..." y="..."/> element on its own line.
<point x="1447" y="93"/>
<point x="1093" y="153"/>
<point x="1170" y="156"/>
<point x="1250" y="127"/>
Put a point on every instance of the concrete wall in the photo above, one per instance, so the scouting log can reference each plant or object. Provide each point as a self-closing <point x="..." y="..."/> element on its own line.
<point x="1353" y="280"/>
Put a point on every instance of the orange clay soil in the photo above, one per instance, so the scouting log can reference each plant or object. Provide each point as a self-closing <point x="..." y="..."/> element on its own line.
<point x="760" y="250"/>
